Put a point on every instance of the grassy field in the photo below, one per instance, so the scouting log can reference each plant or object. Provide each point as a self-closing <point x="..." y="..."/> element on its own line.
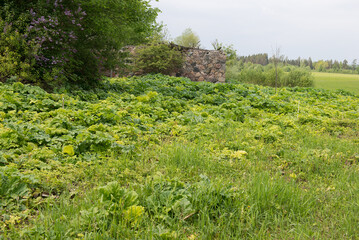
<point x="334" y="81"/>
<point x="159" y="157"/>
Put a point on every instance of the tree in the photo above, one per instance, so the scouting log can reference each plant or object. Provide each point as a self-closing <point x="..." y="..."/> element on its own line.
<point x="276" y="58"/>
<point x="229" y="50"/>
<point x="217" y="45"/>
<point x="336" y="66"/>
<point x="75" y="38"/>
<point x="160" y="34"/>
<point x="304" y="63"/>
<point x="188" y="39"/>
<point x="321" y="66"/>
<point x="310" y="63"/>
<point x="354" y="64"/>
<point x="261" y="58"/>
<point x="157" y="57"/>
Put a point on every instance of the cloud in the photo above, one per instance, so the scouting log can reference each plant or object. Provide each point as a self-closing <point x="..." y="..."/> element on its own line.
<point x="317" y="28"/>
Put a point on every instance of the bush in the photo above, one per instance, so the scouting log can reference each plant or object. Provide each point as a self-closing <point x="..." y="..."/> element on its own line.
<point x="298" y="77"/>
<point x="254" y="76"/>
<point x="157" y="58"/>
<point x="288" y="76"/>
<point x="16" y="55"/>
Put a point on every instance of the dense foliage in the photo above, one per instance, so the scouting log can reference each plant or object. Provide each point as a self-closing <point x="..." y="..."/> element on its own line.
<point x="157" y="57"/>
<point x="16" y="55"/>
<point x="288" y="76"/>
<point x="188" y="39"/>
<point x="67" y="41"/>
<point x="168" y="158"/>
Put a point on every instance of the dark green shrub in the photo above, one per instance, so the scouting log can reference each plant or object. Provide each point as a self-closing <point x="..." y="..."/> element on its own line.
<point x="157" y="58"/>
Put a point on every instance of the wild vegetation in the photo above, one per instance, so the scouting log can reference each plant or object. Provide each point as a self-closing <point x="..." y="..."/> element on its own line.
<point x="57" y="42"/>
<point x="188" y="39"/>
<point x="160" y="157"/>
<point x="269" y="75"/>
<point x="157" y="57"/>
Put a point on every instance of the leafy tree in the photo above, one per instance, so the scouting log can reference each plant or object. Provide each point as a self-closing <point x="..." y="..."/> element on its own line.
<point x="229" y="50"/>
<point x="217" y="45"/>
<point x="321" y="66"/>
<point x="157" y="57"/>
<point x="75" y="38"/>
<point x="160" y="34"/>
<point x="188" y="39"/>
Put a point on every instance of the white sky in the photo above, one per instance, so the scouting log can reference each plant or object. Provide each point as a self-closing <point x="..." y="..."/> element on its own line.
<point x="321" y="29"/>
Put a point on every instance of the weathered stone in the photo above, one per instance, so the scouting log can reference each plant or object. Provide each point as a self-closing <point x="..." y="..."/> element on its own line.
<point x="203" y="65"/>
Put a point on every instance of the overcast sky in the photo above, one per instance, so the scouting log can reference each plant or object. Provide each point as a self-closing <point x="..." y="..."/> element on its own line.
<point x="321" y="29"/>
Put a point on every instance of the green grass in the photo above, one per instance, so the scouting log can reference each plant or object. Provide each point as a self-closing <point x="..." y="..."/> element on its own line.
<point x="159" y="157"/>
<point x="335" y="81"/>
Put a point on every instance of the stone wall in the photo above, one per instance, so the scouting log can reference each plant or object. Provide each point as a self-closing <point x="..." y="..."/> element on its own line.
<point x="199" y="65"/>
<point x="203" y="65"/>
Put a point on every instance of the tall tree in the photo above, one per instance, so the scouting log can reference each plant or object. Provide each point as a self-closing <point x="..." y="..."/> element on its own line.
<point x="188" y="39"/>
<point x="354" y="64"/>
<point x="276" y="58"/>
<point x="336" y="66"/>
<point x="310" y="63"/>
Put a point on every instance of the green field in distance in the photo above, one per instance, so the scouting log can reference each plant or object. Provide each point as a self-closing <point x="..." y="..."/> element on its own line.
<point x="333" y="81"/>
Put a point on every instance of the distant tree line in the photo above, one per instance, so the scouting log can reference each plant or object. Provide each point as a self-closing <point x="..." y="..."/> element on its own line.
<point x="261" y="58"/>
<point x="320" y="65"/>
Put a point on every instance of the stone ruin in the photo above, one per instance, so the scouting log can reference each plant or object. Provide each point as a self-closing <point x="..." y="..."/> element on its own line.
<point x="199" y="64"/>
<point x="203" y="65"/>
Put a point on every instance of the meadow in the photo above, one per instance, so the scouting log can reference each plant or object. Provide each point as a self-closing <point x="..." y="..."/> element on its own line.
<point x="335" y="81"/>
<point x="158" y="157"/>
